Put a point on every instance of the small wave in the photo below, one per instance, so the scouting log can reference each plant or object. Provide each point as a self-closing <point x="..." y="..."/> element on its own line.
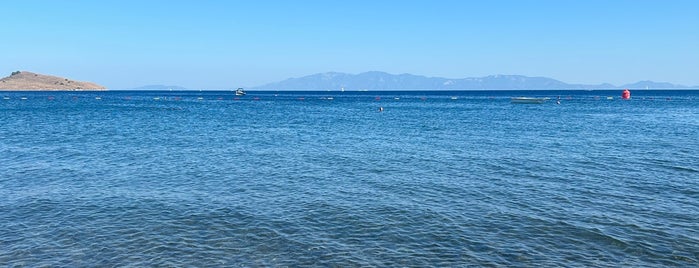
<point x="685" y="169"/>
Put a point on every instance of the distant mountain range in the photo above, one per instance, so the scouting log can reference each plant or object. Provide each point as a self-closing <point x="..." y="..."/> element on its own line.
<point x="160" y="87"/>
<point x="380" y="80"/>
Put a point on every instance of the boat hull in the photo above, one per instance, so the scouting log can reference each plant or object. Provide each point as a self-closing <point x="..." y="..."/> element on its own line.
<point x="528" y="100"/>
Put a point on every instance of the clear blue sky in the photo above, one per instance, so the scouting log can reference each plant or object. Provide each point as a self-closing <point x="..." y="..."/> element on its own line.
<point x="229" y="44"/>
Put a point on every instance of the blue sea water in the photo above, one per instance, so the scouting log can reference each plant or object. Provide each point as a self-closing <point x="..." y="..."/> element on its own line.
<point x="439" y="178"/>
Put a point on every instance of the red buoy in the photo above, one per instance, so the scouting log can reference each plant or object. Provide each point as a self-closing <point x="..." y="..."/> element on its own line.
<point x="626" y="94"/>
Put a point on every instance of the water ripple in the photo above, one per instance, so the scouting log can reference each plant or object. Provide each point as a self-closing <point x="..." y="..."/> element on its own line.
<point x="279" y="182"/>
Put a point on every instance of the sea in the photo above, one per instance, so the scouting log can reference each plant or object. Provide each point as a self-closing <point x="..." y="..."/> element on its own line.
<point x="349" y="179"/>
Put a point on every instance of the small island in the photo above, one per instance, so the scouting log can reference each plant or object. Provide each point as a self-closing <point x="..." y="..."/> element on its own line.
<point x="160" y="87"/>
<point x="23" y="80"/>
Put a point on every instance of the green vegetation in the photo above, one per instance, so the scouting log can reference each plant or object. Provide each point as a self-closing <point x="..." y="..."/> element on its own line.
<point x="14" y="73"/>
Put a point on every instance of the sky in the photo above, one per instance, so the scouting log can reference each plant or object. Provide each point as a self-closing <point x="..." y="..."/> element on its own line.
<point x="210" y="44"/>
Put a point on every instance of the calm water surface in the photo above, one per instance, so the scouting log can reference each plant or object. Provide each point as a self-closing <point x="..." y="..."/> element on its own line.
<point x="134" y="178"/>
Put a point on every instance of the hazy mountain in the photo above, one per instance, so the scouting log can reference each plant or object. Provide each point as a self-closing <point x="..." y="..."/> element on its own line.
<point x="654" y="85"/>
<point x="32" y="81"/>
<point x="381" y="80"/>
<point x="160" y="87"/>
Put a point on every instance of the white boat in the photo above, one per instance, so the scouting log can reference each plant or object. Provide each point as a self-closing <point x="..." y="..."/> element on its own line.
<point x="239" y="92"/>
<point x="528" y="100"/>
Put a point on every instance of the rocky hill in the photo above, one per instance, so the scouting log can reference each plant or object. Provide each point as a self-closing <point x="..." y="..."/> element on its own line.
<point x="32" y="81"/>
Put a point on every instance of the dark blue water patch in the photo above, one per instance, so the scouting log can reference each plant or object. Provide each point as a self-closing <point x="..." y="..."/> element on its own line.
<point x="439" y="178"/>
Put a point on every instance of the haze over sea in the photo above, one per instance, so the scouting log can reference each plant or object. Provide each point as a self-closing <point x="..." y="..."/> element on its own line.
<point x="439" y="178"/>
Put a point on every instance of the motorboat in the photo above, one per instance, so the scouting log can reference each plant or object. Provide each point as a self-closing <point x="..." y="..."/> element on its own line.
<point x="239" y="92"/>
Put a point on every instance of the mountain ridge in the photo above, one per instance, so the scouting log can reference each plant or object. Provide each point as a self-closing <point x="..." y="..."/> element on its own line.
<point x="376" y="80"/>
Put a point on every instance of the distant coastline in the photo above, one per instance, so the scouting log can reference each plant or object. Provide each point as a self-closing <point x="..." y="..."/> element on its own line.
<point x="29" y="81"/>
<point x="159" y="87"/>
<point x="376" y="80"/>
<point x="334" y="81"/>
